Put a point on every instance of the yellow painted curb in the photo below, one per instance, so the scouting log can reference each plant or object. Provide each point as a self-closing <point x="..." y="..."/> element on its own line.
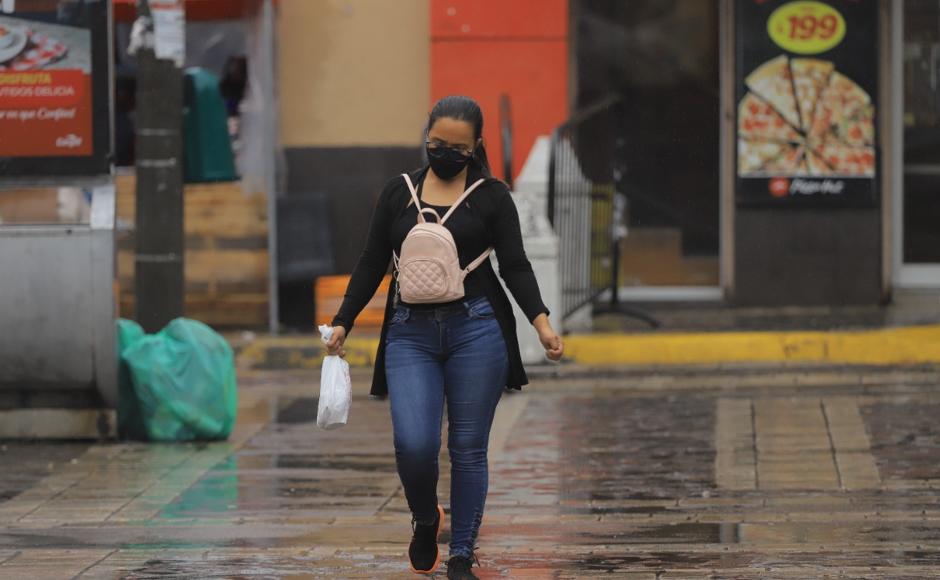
<point x="298" y="352"/>
<point x="909" y="345"/>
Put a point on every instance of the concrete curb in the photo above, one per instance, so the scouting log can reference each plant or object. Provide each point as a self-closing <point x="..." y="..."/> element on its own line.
<point x="883" y="347"/>
<point x="58" y="424"/>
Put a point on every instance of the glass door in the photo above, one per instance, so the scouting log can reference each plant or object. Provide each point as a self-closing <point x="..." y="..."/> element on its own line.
<point x="661" y="59"/>
<point x="917" y="122"/>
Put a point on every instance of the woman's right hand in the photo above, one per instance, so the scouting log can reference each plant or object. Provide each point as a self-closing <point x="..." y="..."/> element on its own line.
<point x="335" y="345"/>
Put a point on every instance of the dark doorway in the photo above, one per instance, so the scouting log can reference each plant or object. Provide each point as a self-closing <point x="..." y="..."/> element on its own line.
<point x="661" y="57"/>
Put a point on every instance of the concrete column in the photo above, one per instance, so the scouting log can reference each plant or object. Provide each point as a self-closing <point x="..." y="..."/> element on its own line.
<point x="541" y="246"/>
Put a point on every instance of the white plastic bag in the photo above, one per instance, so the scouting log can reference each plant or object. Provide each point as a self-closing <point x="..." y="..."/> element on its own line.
<point x="335" y="388"/>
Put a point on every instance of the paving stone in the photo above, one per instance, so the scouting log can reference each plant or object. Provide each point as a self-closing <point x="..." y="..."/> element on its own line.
<point x="762" y="475"/>
<point x="793" y="446"/>
<point x="736" y="459"/>
<point x="51" y="564"/>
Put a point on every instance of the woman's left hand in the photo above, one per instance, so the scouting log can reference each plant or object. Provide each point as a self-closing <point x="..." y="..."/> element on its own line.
<point x="554" y="346"/>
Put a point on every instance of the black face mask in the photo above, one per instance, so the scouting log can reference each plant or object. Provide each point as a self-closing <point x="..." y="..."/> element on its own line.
<point x="446" y="162"/>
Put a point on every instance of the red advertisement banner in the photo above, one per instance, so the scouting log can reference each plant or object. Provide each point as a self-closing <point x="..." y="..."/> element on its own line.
<point x="55" y="90"/>
<point x="45" y="113"/>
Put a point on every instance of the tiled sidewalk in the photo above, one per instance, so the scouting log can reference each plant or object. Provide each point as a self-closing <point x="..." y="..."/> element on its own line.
<point x="779" y="473"/>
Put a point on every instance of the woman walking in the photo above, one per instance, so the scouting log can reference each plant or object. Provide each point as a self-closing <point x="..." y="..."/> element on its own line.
<point x="458" y="351"/>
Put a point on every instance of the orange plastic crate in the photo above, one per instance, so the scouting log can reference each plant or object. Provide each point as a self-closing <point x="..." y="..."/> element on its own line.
<point x="329" y="295"/>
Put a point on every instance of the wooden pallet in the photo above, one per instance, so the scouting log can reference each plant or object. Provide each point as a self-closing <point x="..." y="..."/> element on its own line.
<point x="30" y="206"/>
<point x="226" y="255"/>
<point x="653" y="257"/>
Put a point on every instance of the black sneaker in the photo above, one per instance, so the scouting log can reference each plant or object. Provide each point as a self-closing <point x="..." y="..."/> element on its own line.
<point x="458" y="568"/>
<point x="423" y="552"/>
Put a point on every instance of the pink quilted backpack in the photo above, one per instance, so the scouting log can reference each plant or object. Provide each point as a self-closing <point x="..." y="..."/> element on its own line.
<point x="428" y="270"/>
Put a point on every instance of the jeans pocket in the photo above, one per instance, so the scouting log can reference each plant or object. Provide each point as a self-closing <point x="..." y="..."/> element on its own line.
<point x="400" y="315"/>
<point x="481" y="309"/>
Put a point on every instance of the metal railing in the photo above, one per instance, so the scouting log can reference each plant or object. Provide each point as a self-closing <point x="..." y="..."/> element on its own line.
<point x="586" y="209"/>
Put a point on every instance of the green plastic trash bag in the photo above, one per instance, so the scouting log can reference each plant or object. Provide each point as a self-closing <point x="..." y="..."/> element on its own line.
<point x="129" y="419"/>
<point x="183" y="382"/>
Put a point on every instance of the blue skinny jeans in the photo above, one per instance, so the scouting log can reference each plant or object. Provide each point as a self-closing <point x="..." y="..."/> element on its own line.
<point x="455" y="355"/>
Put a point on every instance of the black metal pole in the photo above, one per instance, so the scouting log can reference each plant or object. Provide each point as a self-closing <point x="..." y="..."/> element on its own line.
<point x="552" y="185"/>
<point x="614" y="270"/>
<point x="158" y="275"/>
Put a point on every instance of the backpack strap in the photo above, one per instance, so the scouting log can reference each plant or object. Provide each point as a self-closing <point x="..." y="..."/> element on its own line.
<point x="431" y="211"/>
<point x="459" y="201"/>
<point x="476" y="263"/>
<point x="414" y="196"/>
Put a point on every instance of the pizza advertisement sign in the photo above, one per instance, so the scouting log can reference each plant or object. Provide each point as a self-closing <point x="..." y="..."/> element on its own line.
<point x="807" y="78"/>
<point x="54" y="88"/>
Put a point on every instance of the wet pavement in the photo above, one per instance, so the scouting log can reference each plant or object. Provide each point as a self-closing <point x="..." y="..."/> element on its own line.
<point x="719" y="473"/>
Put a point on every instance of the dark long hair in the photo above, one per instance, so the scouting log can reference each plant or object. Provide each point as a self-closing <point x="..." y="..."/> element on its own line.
<point x="466" y="109"/>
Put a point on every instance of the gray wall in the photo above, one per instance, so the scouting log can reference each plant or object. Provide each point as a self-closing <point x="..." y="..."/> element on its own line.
<point x="353" y="178"/>
<point x="807" y="257"/>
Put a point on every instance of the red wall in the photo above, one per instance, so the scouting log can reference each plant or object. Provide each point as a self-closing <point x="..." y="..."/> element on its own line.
<point x="484" y="48"/>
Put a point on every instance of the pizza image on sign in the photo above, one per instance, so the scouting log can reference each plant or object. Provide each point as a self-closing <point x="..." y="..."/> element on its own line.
<point x="801" y="117"/>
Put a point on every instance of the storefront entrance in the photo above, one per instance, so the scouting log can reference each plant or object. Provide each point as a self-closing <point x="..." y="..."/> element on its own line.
<point x="916" y="65"/>
<point x="661" y="59"/>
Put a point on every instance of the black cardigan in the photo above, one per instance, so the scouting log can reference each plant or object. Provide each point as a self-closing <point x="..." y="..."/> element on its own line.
<point x="492" y="204"/>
